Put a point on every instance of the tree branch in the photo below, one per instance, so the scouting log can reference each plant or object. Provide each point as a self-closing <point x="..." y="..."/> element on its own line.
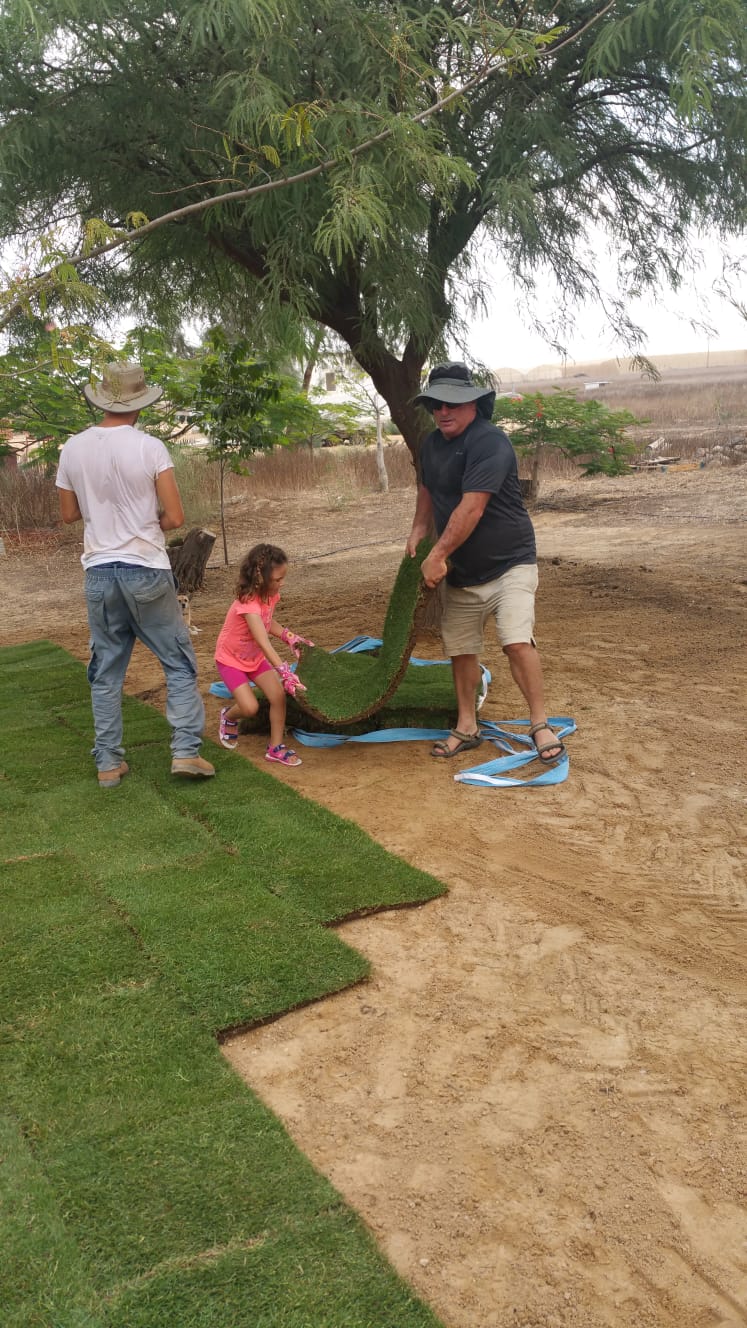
<point x="489" y="68"/>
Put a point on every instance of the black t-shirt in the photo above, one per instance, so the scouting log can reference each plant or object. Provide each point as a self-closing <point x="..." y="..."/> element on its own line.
<point x="480" y="460"/>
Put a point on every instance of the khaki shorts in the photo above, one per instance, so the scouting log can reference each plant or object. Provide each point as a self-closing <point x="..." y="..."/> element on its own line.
<point x="466" y="609"/>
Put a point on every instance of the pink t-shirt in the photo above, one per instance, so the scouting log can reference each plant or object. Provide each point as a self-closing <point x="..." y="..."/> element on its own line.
<point x="236" y="645"/>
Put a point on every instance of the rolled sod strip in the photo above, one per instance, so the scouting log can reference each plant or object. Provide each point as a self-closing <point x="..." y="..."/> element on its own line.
<point x="345" y="688"/>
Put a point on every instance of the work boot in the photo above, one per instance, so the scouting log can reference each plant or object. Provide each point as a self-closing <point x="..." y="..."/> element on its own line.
<point x="194" y="767"/>
<point x="112" y="778"/>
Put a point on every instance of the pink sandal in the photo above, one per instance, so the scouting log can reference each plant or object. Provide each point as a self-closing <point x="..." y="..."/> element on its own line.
<point x="228" y="730"/>
<point x="282" y="754"/>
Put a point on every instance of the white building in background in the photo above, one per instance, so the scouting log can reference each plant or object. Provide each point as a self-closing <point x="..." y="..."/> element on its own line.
<point x="22" y="448"/>
<point x="335" y="382"/>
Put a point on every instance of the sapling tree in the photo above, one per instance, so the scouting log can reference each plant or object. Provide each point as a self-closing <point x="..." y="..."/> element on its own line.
<point x="585" y="431"/>
<point x="365" y="397"/>
<point x="233" y="401"/>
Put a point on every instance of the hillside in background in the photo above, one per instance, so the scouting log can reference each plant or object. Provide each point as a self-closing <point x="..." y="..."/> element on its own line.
<point x="695" y="363"/>
<point x="696" y="410"/>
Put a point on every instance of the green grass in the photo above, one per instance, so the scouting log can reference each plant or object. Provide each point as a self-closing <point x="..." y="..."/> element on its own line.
<point x="142" y="1184"/>
<point x="346" y="688"/>
<point x="423" y="698"/>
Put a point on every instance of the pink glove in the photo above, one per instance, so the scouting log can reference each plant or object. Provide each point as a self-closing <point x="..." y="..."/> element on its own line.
<point x="290" y="682"/>
<point x="295" y="641"/>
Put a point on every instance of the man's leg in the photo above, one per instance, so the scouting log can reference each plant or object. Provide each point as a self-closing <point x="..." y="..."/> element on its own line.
<point x="158" y="622"/>
<point x="526" y="670"/>
<point x="466" y="673"/>
<point x="514" y="616"/>
<point x="111" y="643"/>
<point x="462" y="623"/>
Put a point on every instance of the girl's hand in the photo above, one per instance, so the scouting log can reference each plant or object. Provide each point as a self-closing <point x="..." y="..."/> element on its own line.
<point x="295" y="641"/>
<point x="290" y="682"/>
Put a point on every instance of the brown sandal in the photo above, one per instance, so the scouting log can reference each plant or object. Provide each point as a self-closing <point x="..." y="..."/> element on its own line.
<point x="546" y="746"/>
<point x="467" y="741"/>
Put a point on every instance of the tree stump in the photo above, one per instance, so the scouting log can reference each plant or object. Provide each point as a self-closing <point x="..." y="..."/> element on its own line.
<point x="188" y="558"/>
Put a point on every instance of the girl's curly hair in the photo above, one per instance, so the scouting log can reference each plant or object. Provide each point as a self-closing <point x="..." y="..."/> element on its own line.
<point x="256" y="569"/>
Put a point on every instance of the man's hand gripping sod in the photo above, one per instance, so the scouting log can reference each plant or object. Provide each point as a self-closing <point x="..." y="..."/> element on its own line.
<point x="433" y="569"/>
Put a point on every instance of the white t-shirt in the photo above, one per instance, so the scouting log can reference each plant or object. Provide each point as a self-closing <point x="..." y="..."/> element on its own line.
<point x="112" y="473"/>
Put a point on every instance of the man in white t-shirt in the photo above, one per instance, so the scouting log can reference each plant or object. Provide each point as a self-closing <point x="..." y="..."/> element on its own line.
<point x="121" y="483"/>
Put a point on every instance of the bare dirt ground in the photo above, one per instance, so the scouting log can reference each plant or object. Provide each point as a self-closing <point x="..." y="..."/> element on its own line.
<point x="537" y="1102"/>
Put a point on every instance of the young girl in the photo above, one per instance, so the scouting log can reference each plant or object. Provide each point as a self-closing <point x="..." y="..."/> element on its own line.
<point x="244" y="653"/>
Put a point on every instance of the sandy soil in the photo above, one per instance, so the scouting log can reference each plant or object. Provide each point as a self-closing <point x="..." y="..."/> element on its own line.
<point x="537" y="1102"/>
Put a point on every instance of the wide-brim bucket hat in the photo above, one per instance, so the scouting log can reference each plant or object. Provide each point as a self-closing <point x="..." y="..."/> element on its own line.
<point x="122" y="389"/>
<point x="453" y="384"/>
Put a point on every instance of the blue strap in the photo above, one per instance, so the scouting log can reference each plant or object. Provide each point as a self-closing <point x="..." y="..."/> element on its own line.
<point x="494" y="774"/>
<point x="491" y="774"/>
<point x="357" y="644"/>
<point x="364" y="643"/>
<point x="377" y="735"/>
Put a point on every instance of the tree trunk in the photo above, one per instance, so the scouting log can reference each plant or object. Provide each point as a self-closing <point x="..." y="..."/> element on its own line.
<point x="313" y="357"/>
<point x="398" y="381"/>
<point x="534" y="484"/>
<point x="223" y="510"/>
<point x="380" y="462"/>
<point x="189" y="558"/>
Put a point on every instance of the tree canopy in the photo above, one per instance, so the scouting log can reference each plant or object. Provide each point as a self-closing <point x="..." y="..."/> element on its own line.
<point x="631" y="114"/>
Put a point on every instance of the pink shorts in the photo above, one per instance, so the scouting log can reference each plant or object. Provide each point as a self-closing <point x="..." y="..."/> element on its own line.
<point x="234" y="678"/>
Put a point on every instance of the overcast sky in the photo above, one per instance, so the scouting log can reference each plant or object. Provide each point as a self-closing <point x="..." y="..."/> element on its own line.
<point x="506" y="339"/>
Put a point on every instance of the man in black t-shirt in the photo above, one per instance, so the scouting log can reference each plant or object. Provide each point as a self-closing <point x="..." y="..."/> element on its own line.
<point x="485" y="555"/>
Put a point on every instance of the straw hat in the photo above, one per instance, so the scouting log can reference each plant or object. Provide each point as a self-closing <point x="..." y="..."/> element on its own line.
<point x="122" y="389"/>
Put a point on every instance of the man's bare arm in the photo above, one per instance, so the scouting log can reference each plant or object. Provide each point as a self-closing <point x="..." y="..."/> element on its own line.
<point x="461" y="523"/>
<point x="69" y="510"/>
<point x="169" y="501"/>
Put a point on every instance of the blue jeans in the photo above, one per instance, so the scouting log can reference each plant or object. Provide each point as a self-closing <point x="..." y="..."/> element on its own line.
<point x="126" y="604"/>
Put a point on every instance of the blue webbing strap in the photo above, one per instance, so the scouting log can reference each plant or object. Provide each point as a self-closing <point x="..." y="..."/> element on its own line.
<point x="491" y="774"/>
<point x="359" y="645"/>
<point x="495" y="774"/>
<point x="377" y="735"/>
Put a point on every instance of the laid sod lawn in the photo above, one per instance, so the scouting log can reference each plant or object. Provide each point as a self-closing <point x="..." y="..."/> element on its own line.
<point x="142" y="1184"/>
